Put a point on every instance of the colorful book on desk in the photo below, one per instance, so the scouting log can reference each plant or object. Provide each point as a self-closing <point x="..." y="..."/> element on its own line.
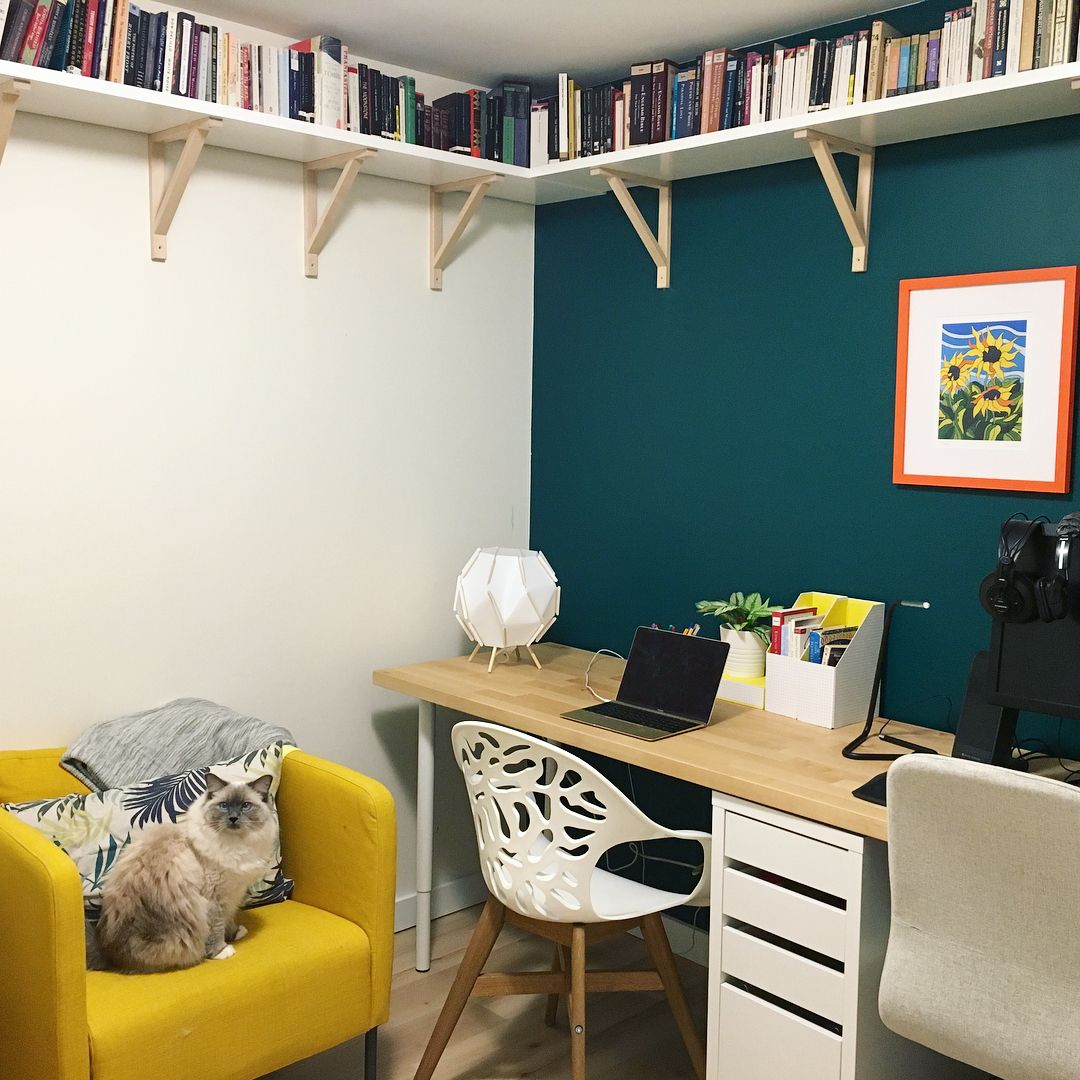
<point x="776" y="639"/>
<point x="823" y="637"/>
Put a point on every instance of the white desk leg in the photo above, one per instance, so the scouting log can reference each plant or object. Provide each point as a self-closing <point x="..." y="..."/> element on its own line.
<point x="425" y="830"/>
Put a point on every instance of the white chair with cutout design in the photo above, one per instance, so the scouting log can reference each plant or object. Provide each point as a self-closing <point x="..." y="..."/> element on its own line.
<point x="544" y="818"/>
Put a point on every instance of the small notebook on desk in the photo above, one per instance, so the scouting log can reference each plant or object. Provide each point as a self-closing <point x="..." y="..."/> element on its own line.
<point x="669" y="686"/>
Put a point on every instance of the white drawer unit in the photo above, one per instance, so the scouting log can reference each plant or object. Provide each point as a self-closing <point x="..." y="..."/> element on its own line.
<point x="799" y="929"/>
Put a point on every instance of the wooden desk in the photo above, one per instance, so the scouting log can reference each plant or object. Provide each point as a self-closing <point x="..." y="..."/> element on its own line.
<point x="754" y="755"/>
<point x="782" y="812"/>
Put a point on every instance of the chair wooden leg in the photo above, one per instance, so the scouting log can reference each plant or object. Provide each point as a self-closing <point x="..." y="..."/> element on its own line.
<point x="371" y="1054"/>
<point x="656" y="939"/>
<point x="577" y="1003"/>
<point x="479" y="949"/>
<point x="551" y="1014"/>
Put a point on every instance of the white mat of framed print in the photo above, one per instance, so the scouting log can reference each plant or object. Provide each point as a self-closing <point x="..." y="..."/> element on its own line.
<point x="984" y="380"/>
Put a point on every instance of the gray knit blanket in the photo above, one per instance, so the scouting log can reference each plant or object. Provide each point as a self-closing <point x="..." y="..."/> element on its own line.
<point x="185" y="734"/>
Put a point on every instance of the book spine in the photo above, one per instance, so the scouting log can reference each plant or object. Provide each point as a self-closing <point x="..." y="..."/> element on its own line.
<point x="99" y="25"/>
<point x="58" y="60"/>
<point x="933" y="52"/>
<point x="1057" y="54"/>
<point x="35" y="32"/>
<point x="52" y="32"/>
<point x="1040" y="24"/>
<point x="89" y="37"/>
<point x="1001" y="37"/>
<point x="156" y="48"/>
<point x="563" y="119"/>
<point x="657" y="111"/>
<point x="245" y="76"/>
<point x="15" y="32"/>
<point x="776" y="631"/>
<point x="108" y="32"/>
<point x="195" y="61"/>
<point x="1012" y="51"/>
<point x="215" y="44"/>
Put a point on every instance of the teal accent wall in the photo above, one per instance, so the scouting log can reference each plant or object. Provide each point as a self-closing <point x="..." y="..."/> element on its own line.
<point x="735" y="431"/>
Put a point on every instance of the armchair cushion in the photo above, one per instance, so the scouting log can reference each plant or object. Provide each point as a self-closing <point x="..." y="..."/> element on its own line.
<point x="311" y="970"/>
<point x="94" y="828"/>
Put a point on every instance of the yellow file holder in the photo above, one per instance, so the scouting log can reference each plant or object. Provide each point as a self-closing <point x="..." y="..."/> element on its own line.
<point x="829" y="697"/>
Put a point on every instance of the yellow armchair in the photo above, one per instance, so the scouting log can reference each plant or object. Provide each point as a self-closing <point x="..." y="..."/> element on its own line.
<point x="312" y="972"/>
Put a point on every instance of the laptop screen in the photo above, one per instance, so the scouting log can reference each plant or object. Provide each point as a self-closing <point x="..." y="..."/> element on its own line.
<point x="674" y="673"/>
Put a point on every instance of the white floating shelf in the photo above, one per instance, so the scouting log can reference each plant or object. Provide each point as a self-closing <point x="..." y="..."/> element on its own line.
<point x="990" y="103"/>
<point x="95" y="101"/>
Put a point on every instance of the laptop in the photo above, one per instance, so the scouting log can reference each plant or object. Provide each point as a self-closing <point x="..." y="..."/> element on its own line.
<point x="669" y="686"/>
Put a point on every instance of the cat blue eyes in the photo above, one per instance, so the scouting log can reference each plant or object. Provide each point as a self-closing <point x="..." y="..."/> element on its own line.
<point x="246" y="806"/>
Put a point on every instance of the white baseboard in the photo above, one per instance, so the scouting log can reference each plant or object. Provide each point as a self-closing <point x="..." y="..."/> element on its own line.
<point x="446" y="898"/>
<point x="468" y="891"/>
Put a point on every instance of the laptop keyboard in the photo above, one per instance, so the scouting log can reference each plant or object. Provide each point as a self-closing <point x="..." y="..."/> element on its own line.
<point x="619" y="710"/>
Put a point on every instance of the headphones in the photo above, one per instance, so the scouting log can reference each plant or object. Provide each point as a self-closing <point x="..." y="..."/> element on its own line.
<point x="1013" y="597"/>
<point x="1051" y="593"/>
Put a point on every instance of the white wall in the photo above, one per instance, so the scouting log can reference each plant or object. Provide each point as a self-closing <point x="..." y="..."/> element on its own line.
<point x="220" y="478"/>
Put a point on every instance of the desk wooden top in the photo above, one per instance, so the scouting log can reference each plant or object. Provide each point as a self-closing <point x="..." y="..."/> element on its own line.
<point x="751" y="754"/>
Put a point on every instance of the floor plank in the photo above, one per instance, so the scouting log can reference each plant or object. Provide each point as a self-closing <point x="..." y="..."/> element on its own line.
<point x="628" y="1035"/>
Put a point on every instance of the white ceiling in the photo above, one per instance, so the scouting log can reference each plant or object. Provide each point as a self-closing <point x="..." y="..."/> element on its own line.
<point x="483" y="40"/>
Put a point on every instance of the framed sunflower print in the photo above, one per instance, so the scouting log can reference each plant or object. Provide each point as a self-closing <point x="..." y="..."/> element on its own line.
<point x="984" y="380"/>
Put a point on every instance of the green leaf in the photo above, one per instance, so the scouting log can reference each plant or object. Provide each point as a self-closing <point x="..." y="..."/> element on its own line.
<point x="993" y="433"/>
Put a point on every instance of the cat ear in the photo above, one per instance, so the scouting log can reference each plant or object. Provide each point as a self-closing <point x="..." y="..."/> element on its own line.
<point x="262" y="786"/>
<point x="214" y="784"/>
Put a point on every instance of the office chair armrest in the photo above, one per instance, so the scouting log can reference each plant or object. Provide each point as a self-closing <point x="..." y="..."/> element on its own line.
<point x="339" y="843"/>
<point x="43" y="1034"/>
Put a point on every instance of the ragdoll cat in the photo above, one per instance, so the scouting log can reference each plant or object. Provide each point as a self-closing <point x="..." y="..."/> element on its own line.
<point x="173" y="896"/>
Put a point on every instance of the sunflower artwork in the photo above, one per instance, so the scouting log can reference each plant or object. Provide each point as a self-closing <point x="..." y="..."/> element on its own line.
<point x="982" y="380"/>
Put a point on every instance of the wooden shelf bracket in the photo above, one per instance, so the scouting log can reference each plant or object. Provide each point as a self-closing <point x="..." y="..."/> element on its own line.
<point x="855" y="219"/>
<point x="165" y="195"/>
<point x="658" y="246"/>
<point x="318" y="227"/>
<point x="10" y="91"/>
<point x="441" y="250"/>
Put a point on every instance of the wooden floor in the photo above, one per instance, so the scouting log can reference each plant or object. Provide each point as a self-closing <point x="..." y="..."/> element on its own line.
<point x="629" y="1036"/>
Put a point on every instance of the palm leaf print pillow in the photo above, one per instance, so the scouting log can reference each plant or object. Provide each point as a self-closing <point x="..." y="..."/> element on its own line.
<point x="93" y="829"/>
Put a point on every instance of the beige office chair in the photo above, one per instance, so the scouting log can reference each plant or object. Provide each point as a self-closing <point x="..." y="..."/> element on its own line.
<point x="544" y="819"/>
<point x="983" y="963"/>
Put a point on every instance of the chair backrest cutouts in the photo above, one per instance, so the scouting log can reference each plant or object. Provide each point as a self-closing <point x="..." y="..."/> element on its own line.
<point x="543" y="819"/>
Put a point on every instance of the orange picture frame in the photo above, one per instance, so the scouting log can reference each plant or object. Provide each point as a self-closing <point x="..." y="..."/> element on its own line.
<point x="1059" y="482"/>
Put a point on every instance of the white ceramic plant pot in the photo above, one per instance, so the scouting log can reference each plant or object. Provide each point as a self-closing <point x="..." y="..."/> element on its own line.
<point x="746" y="658"/>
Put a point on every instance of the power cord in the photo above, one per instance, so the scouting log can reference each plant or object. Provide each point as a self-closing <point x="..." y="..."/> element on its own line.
<point x="589" y="667"/>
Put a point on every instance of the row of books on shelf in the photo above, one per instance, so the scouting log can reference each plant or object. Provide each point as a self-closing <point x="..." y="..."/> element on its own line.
<point x="798" y="632"/>
<point x="723" y="88"/>
<point x="314" y="80"/>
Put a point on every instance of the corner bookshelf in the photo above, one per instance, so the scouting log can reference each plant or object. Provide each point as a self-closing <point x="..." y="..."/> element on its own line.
<point x="858" y="129"/>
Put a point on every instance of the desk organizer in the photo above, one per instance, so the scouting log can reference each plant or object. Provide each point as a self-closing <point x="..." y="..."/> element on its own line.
<point x="829" y="697"/>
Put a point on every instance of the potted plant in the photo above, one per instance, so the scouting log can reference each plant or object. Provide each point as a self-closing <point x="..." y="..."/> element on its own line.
<point x="745" y="624"/>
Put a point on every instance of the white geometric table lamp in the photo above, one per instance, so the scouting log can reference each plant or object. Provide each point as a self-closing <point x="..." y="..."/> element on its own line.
<point x="506" y="598"/>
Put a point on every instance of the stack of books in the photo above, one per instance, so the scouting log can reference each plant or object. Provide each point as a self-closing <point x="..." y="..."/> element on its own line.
<point x="660" y="100"/>
<point x="314" y="80"/>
